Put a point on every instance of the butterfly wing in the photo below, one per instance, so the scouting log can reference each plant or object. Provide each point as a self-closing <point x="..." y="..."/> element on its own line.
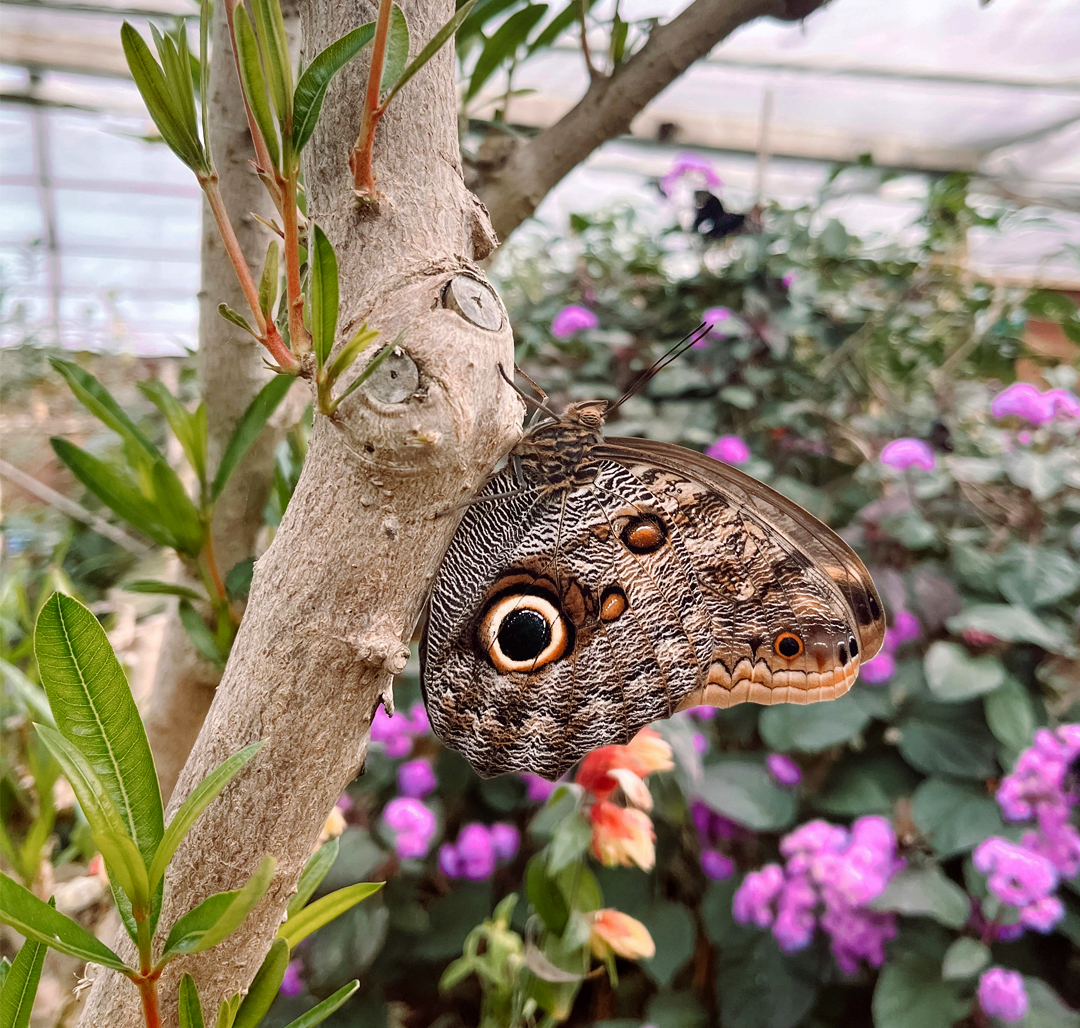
<point x="564" y="621"/>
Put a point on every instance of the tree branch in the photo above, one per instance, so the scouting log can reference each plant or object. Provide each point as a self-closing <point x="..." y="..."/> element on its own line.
<point x="513" y="191"/>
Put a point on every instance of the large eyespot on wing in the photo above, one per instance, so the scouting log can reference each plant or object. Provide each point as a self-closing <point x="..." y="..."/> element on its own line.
<point x="523" y="629"/>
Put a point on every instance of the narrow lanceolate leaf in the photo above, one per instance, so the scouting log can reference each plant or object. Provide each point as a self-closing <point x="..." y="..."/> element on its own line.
<point x="189" y="1008"/>
<point x="102" y="404"/>
<point x="264" y="986"/>
<point x="324" y="295"/>
<point x="311" y="89"/>
<point x="117" y="491"/>
<point x="275" y="49"/>
<point x="368" y="371"/>
<point x="324" y="910"/>
<point x="504" y="43"/>
<point x="150" y="585"/>
<point x="321" y="1011"/>
<point x="94" y="711"/>
<point x="201" y="637"/>
<point x="433" y="46"/>
<point x="218" y="916"/>
<point x="205" y="13"/>
<point x="21" y="984"/>
<point x="29" y="916"/>
<point x="350" y="351"/>
<point x="236" y="319"/>
<point x="176" y="64"/>
<point x="201" y="797"/>
<point x="247" y="430"/>
<point x="185" y="426"/>
<point x="315" y="870"/>
<point x="268" y="284"/>
<point x="177" y="511"/>
<point x="254" y="85"/>
<point x="154" y="90"/>
<point x="397" y="50"/>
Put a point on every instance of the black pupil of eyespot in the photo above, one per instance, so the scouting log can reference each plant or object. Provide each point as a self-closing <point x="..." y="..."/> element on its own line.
<point x="842" y="650"/>
<point x="788" y="646"/>
<point x="854" y="646"/>
<point x="524" y="634"/>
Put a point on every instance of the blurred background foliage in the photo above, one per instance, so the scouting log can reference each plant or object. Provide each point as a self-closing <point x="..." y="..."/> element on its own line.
<point x="824" y="349"/>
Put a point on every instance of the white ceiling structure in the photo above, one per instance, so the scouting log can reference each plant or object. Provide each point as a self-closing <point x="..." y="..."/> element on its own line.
<point x="99" y="235"/>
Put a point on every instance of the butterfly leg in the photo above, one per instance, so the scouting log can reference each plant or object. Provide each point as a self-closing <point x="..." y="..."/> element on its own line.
<point x="539" y="405"/>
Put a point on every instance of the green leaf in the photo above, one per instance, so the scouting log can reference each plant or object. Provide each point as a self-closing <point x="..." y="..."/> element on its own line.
<point x="1012" y="624"/>
<point x="275" y="50"/>
<point x="350" y="351"/>
<point x="150" y="585"/>
<point x="31" y="696"/>
<point x="315" y="870"/>
<point x="268" y="284"/>
<point x="248" y="428"/>
<point x="950" y="740"/>
<point x="369" y="369"/>
<point x="311" y="89"/>
<point x="201" y="637"/>
<point x="618" y="40"/>
<point x="189" y="429"/>
<point x="1011" y="715"/>
<point x="433" y="46"/>
<point x="673" y="930"/>
<point x="569" y="842"/>
<point x="954" y="816"/>
<point x="1037" y="576"/>
<point x="812" y="728"/>
<point x="94" y="711"/>
<point x="116" y="491"/>
<point x="236" y="319"/>
<point x="746" y="793"/>
<point x="1045" y="1007"/>
<point x="238" y="579"/>
<point x="865" y="784"/>
<point x="323" y="286"/>
<point x="760" y="987"/>
<point x="965" y="958"/>
<point x="954" y="675"/>
<point x="254" y="85"/>
<point x="397" y="50"/>
<point x="926" y="892"/>
<point x="189" y="1008"/>
<point x="21" y="984"/>
<point x="157" y="95"/>
<point x="176" y="509"/>
<point x="264" y="986"/>
<point x="911" y="994"/>
<point x="198" y="800"/>
<point x="176" y="64"/>
<point x="324" y="910"/>
<point x="558" y="25"/>
<point x="5" y="968"/>
<point x="1043" y="474"/>
<point x="29" y="916"/>
<point x="101" y="403"/>
<point x="218" y="916"/>
<point x="321" y="1011"/>
<point x="503" y="44"/>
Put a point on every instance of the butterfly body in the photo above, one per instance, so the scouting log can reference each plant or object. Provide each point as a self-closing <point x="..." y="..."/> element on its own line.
<point x="597" y="585"/>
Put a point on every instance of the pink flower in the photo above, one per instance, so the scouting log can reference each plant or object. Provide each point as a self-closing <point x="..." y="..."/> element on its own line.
<point x="714" y="316"/>
<point x="505" y="840"/>
<point x="412" y="826"/>
<point x="906" y="453"/>
<point x="292" y="984"/>
<point x="789" y="279"/>
<point x="783" y="769"/>
<point x="1023" y="400"/>
<point x="416" y="778"/>
<point x="716" y="865"/>
<point x="1002" y="994"/>
<point x="537" y="789"/>
<point x="905" y="627"/>
<point x="691" y="164"/>
<point x="573" y="319"/>
<point x="730" y="449"/>
<point x="879" y="669"/>
<point x="1063" y="403"/>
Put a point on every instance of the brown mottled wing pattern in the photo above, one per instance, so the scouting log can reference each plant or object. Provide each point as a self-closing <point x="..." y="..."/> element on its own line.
<point x="566" y="620"/>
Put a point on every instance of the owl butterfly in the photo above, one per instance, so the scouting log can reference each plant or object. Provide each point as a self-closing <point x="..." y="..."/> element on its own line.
<point x="595" y="585"/>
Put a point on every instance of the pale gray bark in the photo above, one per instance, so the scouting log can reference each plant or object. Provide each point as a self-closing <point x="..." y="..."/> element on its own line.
<point x="527" y="169"/>
<point x="231" y="372"/>
<point x="336" y="597"/>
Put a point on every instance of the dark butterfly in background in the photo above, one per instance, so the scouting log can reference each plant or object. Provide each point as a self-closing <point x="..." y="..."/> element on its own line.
<point x="710" y="218"/>
<point x="595" y="585"/>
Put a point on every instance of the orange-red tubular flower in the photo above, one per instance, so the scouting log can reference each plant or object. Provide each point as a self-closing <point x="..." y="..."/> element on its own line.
<point x="647" y="752"/>
<point x="651" y="751"/>
<point x="614" y="932"/>
<point x="622" y="835"/>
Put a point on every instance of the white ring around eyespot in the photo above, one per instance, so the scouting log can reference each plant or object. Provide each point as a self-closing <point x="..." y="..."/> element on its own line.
<point x="493" y="619"/>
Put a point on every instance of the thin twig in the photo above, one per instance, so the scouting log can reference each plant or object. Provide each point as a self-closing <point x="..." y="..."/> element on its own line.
<point x="360" y="159"/>
<point x="593" y="73"/>
<point x="72" y="509"/>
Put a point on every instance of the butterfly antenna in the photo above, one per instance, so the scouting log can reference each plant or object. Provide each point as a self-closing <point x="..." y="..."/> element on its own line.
<point x="676" y="351"/>
<point x="538" y="404"/>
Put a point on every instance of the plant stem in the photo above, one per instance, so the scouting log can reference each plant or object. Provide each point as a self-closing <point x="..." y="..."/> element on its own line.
<point x="269" y="336"/>
<point x="212" y="567"/>
<point x="298" y="334"/>
<point x="360" y="158"/>
<point x="149" y="994"/>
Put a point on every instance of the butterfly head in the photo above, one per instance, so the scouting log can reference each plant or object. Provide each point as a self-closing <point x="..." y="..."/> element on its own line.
<point x="587" y="413"/>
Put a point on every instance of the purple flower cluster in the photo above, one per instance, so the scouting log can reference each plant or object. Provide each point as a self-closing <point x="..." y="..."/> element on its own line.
<point x="1022" y="879"/>
<point x="396" y="734"/>
<point x="713" y="316"/>
<point x="1023" y="400"/>
<point x="1002" y="994"/>
<point x="572" y="319"/>
<point x="691" y="164"/>
<point x="730" y="449"/>
<point x="416" y="778"/>
<point x="477" y="850"/>
<point x="292" y="983"/>
<point x="783" y="769"/>
<point x="881" y="667"/>
<point x="831" y="874"/>
<point x="412" y="826"/>
<point x="537" y="789"/>
<point x="714" y="829"/>
<point x="907" y="453"/>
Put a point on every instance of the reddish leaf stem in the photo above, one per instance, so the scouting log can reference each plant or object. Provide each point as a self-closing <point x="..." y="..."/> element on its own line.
<point x="148" y="992"/>
<point x="360" y="158"/>
<point x="298" y="334"/>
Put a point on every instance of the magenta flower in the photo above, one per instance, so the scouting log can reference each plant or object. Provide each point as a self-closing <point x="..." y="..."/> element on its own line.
<point x="714" y="316"/>
<point x="700" y="743"/>
<point x="1002" y="994"/>
<point x="505" y="840"/>
<point x="1063" y="403"/>
<point x="537" y="789"/>
<point x="292" y="984"/>
<point x="1023" y="400"/>
<point x="416" y="778"/>
<point x="789" y="279"/>
<point x="1023" y="879"/>
<point x="449" y="863"/>
<point x="730" y="449"/>
<point x="783" y="769"/>
<point x="396" y="734"/>
<point x="716" y="865"/>
<point x="879" y="669"/>
<point x="573" y="319"/>
<point x="905" y="628"/>
<point x="906" y="453"/>
<point x="705" y="712"/>
<point x="412" y="826"/>
<point x="691" y="164"/>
